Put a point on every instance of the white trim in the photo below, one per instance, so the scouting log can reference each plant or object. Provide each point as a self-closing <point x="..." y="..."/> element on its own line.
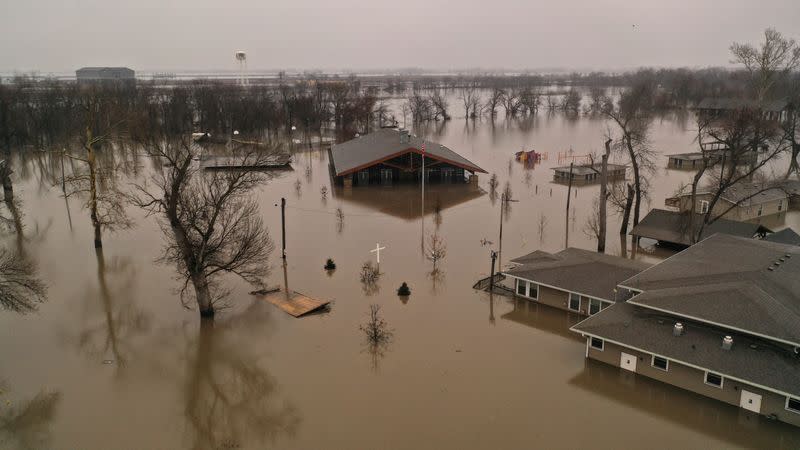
<point x="557" y="288"/>
<point x="694" y="366"/>
<point x="569" y="302"/>
<point x="703" y="206"/>
<point x="653" y="363"/>
<point x="721" y="325"/>
<point x="789" y="397"/>
<point x="721" y="379"/>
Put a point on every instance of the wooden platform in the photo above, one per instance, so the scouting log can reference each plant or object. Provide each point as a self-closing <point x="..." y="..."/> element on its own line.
<point x="295" y="303"/>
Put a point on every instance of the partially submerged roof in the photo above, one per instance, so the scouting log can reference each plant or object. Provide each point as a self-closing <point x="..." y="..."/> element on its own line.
<point x="673" y="227"/>
<point x="585" y="169"/>
<point x="384" y="144"/>
<point x="738" y="103"/>
<point x="786" y="236"/>
<point x="699" y="346"/>
<point x="748" y="194"/>
<point x="576" y="270"/>
<point x="748" y="285"/>
<point x="694" y="156"/>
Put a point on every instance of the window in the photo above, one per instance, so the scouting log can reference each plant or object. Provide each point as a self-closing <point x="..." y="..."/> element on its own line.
<point x="521" y="287"/>
<point x="780" y="205"/>
<point x="660" y="363"/>
<point x="714" y="379"/>
<point x="760" y="210"/>
<point x="597" y="343"/>
<point x="595" y="306"/>
<point x="533" y="290"/>
<point x="793" y="404"/>
<point x="574" y="302"/>
<point x="703" y="206"/>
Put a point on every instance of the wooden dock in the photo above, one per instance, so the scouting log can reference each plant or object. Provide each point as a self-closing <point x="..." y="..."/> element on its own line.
<point x="295" y="303"/>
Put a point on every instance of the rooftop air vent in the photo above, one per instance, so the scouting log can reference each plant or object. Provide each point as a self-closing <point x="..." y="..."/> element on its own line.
<point x="677" y="330"/>
<point x="727" y="343"/>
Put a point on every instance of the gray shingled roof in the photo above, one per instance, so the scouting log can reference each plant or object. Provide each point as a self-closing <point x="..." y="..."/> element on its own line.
<point x="585" y="169"/>
<point x="379" y="145"/>
<point x="785" y="236"/>
<point x="673" y="227"/>
<point x="575" y="270"/>
<point x="700" y="345"/>
<point x="687" y="156"/>
<point x="727" y="280"/>
<point x="748" y="194"/>
<point x="738" y="103"/>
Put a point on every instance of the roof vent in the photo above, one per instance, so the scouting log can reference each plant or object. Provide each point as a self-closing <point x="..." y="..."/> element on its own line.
<point x="677" y="330"/>
<point x="727" y="343"/>
<point x="770" y="268"/>
<point x="404" y="136"/>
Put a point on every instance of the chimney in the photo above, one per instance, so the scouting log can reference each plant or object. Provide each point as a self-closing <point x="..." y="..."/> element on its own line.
<point x="403" y="136"/>
<point x="677" y="330"/>
<point x="727" y="343"/>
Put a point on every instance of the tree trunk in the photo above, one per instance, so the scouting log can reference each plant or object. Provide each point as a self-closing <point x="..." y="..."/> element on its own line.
<point x="5" y="173"/>
<point x="92" y="162"/>
<point x="626" y="215"/>
<point x="602" y="214"/>
<point x="203" y="294"/>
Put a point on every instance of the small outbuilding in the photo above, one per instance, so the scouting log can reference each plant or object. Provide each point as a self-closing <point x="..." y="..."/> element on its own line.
<point x="88" y="75"/>
<point x="389" y="156"/>
<point x="588" y="173"/>
<point x="672" y="228"/>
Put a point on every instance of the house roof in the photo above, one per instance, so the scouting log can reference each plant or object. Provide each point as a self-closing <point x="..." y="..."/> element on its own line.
<point x="786" y="236"/>
<point x="738" y="103"/>
<point x="748" y="194"/>
<point x="384" y="144"/>
<point x="576" y="270"/>
<point x="699" y="345"/>
<point x="748" y="285"/>
<point x="687" y="156"/>
<point x="584" y="169"/>
<point x="673" y="226"/>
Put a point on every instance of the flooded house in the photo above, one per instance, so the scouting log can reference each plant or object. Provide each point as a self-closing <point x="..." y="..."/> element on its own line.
<point x="587" y="173"/>
<point x="673" y="228"/>
<point x="742" y="202"/>
<point x="721" y="319"/>
<point x="777" y="110"/>
<point x="573" y="279"/>
<point x="391" y="155"/>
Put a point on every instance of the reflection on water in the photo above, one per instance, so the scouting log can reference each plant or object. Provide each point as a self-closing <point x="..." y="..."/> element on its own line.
<point x="25" y="424"/>
<point x="713" y="418"/>
<point x="404" y="201"/>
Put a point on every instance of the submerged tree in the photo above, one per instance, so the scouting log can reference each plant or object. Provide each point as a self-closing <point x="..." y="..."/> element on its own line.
<point x="20" y="288"/>
<point x="26" y="425"/>
<point x="211" y="223"/>
<point x="436" y="250"/>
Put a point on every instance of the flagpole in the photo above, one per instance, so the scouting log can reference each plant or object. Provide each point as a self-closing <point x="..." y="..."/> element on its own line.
<point x="423" y="178"/>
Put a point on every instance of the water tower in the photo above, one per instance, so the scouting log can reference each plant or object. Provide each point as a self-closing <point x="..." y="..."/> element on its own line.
<point x="241" y="59"/>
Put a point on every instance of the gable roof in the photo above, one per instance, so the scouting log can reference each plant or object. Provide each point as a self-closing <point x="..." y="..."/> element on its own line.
<point x="700" y="346"/>
<point x="576" y="270"/>
<point x="748" y="285"/>
<point x="384" y="144"/>
<point x="585" y="169"/>
<point x="748" y="194"/>
<point x="672" y="226"/>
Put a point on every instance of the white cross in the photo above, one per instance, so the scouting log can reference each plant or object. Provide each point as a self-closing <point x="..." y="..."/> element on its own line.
<point x="377" y="250"/>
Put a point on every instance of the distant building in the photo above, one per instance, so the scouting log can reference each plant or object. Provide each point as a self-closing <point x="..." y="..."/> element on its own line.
<point x="390" y="156"/>
<point x="105" y="75"/>
<point x="588" y="173"/>
<point x="574" y="280"/>
<point x="743" y="202"/>
<point x="672" y="228"/>
<point x="777" y="110"/>
<point x="721" y="319"/>
<point x="694" y="160"/>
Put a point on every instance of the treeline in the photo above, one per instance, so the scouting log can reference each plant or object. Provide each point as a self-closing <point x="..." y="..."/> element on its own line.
<point x="45" y="112"/>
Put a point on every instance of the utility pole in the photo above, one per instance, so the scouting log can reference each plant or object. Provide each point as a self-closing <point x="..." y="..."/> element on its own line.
<point x="491" y="275"/>
<point x="503" y="201"/>
<point x="566" y="220"/>
<point x="283" y="228"/>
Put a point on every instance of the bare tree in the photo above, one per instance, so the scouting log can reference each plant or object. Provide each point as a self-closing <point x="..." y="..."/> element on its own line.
<point x="20" y="288"/>
<point x="436" y="250"/>
<point x="776" y="57"/>
<point x="495" y="100"/>
<point x="211" y="224"/>
<point x="470" y="99"/>
<point x="632" y="115"/>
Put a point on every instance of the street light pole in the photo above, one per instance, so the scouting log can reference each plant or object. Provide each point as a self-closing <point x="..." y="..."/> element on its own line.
<point x="503" y="201"/>
<point x="491" y="275"/>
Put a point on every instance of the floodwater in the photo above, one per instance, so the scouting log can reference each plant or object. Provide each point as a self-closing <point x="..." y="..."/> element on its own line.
<point x="113" y="360"/>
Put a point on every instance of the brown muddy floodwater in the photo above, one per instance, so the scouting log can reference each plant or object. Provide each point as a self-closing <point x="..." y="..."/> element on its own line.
<point x="112" y="359"/>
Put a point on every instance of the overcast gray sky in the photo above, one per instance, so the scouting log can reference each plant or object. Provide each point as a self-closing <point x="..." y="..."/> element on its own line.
<point x="176" y="35"/>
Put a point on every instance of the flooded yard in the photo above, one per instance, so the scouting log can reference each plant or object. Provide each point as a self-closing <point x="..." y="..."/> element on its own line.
<point x="113" y="360"/>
